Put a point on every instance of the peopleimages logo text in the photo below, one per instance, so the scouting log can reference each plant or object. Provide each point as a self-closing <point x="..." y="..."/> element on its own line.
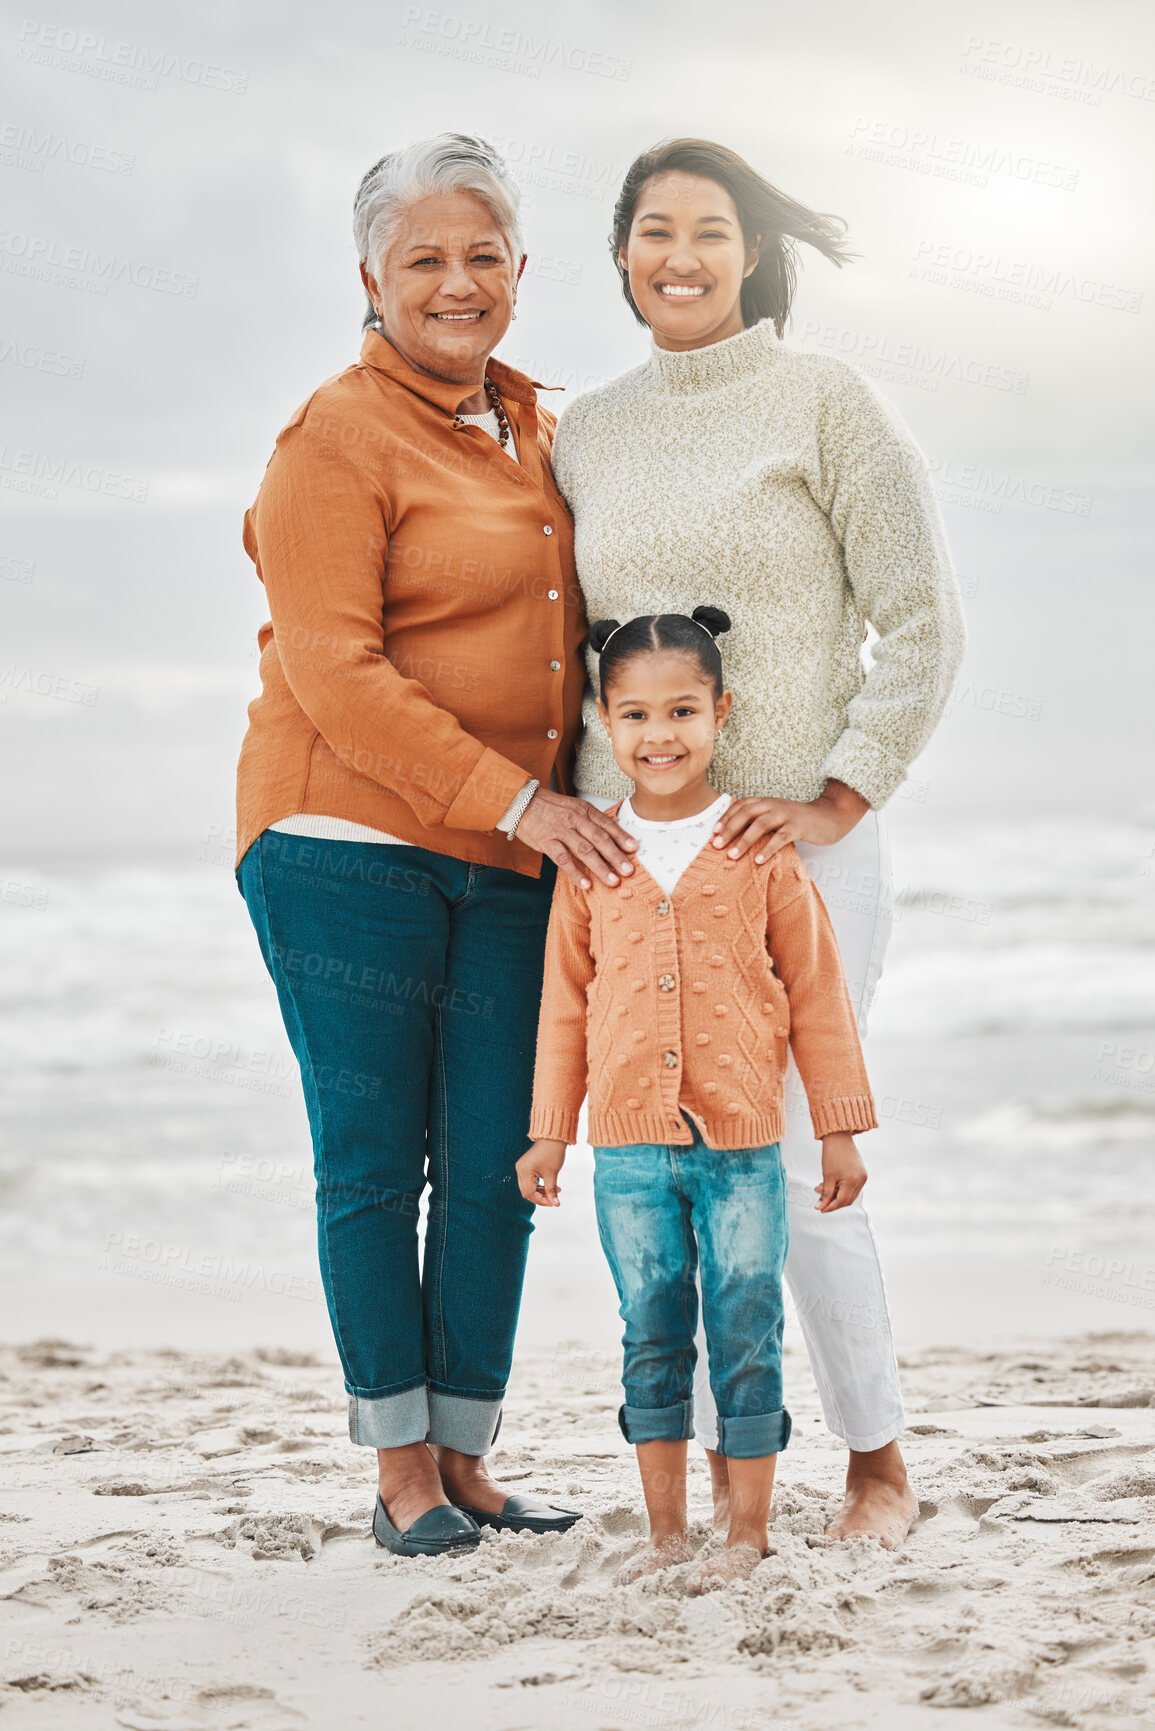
<point x="521" y="49"/>
<point x="36" y="254"/>
<point x="105" y="57"/>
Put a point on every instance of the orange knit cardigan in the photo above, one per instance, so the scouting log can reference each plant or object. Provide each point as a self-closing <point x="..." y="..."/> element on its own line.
<point x="688" y="1002"/>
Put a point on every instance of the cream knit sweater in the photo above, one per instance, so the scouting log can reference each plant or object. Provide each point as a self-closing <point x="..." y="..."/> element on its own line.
<point x="779" y="486"/>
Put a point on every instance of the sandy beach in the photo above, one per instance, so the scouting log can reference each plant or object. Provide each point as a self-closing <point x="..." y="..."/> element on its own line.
<point x="185" y="1544"/>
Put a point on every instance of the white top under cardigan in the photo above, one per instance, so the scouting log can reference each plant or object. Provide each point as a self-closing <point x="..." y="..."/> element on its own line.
<point x="667" y="848"/>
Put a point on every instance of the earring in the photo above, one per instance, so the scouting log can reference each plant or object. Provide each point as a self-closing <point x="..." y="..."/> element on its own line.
<point x="718" y="735"/>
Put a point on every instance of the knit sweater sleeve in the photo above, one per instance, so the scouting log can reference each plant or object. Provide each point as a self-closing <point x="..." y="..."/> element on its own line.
<point x="561" y="1071"/>
<point x="823" y="1031"/>
<point x="876" y="491"/>
<point x="568" y="439"/>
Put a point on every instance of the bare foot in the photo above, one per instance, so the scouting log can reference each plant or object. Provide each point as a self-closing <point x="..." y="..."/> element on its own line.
<point x="659" y="1554"/>
<point x="879" y="1502"/>
<point x="735" y="1563"/>
<point x="720" y="1489"/>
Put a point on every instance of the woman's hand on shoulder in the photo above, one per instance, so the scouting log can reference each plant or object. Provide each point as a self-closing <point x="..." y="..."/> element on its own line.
<point x="582" y="840"/>
<point x="771" y="823"/>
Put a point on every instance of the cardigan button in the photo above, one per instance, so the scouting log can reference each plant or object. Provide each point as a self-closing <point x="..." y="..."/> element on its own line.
<point x="623" y="1058"/>
<point x="699" y="986"/>
<point x="637" y="985"/>
<point x="709" y="889"/>
<point x="670" y="1060"/>
<point x="698" y="937"/>
<point x="701" y="1039"/>
<point x="635" y="937"/>
<point x="633" y="1103"/>
<point x="719" y="1009"/>
<point x="547" y="529"/>
<point x="717" y="961"/>
<point x="555" y="666"/>
<point x="551" y="733"/>
<point x="622" y="1010"/>
<point x="666" y="982"/>
<point x="725" y="1059"/>
<point x="663" y="907"/>
<point x="644" y="1082"/>
<point x="733" y="1106"/>
<point x="709" y="1087"/>
<point x="639" y="1034"/>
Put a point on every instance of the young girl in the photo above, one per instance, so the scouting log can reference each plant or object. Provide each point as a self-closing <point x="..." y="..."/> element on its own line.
<point x="673" y="997"/>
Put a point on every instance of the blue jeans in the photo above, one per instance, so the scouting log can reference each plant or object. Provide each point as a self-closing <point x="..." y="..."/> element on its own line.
<point x="410" y="984"/>
<point x="664" y="1215"/>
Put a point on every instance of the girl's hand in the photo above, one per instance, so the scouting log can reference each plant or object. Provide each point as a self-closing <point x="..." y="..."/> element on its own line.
<point x="843" y="1173"/>
<point x="774" y="822"/>
<point x="537" y="1172"/>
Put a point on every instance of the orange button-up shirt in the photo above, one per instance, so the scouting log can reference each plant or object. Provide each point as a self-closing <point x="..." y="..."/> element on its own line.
<point x="423" y="658"/>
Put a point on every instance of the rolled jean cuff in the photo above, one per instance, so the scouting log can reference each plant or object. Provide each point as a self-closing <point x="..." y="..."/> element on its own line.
<point x="643" y="1424"/>
<point x="747" y="1439"/>
<point x="389" y="1421"/>
<point x="470" y="1426"/>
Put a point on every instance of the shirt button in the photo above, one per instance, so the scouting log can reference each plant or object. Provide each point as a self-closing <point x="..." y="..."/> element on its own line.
<point x="663" y="907"/>
<point x="555" y="666"/>
<point x="665" y="982"/>
<point x="670" y="1060"/>
<point x="552" y="734"/>
<point x="547" y="529"/>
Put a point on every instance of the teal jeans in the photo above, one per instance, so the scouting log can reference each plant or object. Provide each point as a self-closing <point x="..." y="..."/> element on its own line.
<point x="668" y="1214"/>
<point x="410" y="984"/>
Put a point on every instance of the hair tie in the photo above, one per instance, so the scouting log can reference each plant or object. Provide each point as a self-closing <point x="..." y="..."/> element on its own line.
<point x="626" y="622"/>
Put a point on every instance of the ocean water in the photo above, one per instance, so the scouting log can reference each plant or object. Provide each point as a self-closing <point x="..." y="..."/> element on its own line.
<point x="153" y="1134"/>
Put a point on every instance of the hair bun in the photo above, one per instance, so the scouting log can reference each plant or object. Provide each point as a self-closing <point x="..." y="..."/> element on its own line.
<point x="712" y="618"/>
<point x="600" y="632"/>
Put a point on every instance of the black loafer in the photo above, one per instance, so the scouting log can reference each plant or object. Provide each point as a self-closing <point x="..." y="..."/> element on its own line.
<point x="521" y="1514"/>
<point x="433" y="1534"/>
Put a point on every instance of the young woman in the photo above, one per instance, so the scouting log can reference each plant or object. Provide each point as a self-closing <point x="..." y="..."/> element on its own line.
<point x="782" y="481"/>
<point x="673" y="1000"/>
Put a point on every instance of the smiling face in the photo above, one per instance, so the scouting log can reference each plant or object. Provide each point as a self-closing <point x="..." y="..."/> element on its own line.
<point x="687" y="260"/>
<point x="662" y="715"/>
<point x="447" y="287"/>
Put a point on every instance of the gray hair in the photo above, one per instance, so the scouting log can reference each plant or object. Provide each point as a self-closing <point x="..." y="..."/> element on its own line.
<point x="452" y="162"/>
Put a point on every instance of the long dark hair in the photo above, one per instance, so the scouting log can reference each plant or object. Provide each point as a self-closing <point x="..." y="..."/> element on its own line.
<point x="762" y="210"/>
<point x="690" y="634"/>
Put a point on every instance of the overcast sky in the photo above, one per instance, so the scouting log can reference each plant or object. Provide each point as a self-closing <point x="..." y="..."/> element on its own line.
<point x="177" y="273"/>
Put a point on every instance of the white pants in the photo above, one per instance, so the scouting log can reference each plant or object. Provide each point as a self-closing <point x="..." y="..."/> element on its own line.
<point x="832" y="1268"/>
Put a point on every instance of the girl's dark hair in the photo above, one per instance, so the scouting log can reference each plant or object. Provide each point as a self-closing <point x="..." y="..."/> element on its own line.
<point x="689" y="634"/>
<point x="770" y="220"/>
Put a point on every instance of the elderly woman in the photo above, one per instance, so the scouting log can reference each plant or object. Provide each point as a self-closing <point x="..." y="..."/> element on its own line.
<point x="406" y="768"/>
